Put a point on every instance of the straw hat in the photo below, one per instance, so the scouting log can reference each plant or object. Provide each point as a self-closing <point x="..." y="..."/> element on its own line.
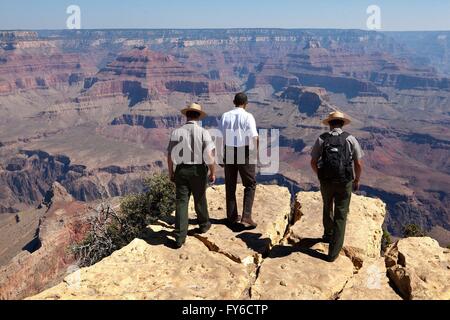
<point x="336" y="115"/>
<point x="196" y="108"/>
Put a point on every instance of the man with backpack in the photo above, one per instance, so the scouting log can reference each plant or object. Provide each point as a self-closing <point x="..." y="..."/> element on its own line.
<point x="336" y="159"/>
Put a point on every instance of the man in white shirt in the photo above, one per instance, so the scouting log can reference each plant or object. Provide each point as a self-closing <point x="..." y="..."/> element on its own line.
<point x="241" y="147"/>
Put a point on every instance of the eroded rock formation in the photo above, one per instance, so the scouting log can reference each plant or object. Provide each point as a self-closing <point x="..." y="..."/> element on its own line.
<point x="266" y="263"/>
<point x="420" y="269"/>
<point x="61" y="225"/>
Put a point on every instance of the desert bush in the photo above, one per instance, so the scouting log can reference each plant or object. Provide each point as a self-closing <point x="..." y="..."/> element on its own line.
<point x="161" y="194"/>
<point x="110" y="230"/>
<point x="386" y="240"/>
<point x="412" y="230"/>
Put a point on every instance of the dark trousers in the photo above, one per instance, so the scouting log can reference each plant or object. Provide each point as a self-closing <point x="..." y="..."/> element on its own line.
<point x="247" y="171"/>
<point x="190" y="179"/>
<point x="336" y="204"/>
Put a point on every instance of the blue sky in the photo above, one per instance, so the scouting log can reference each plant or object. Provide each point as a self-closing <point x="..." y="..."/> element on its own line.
<point x="396" y="14"/>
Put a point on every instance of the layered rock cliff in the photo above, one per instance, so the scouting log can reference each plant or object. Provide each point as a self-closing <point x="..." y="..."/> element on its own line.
<point x="281" y="259"/>
<point x="47" y="259"/>
<point x="141" y="74"/>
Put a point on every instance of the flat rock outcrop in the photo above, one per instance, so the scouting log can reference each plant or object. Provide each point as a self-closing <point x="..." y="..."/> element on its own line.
<point x="364" y="225"/>
<point x="143" y="271"/>
<point x="370" y="283"/>
<point x="420" y="269"/>
<point x="281" y="259"/>
<point x="272" y="212"/>
<point x="221" y="264"/>
<point x="295" y="274"/>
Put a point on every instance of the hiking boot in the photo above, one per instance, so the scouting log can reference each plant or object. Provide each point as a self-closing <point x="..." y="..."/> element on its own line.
<point x="234" y="221"/>
<point x="332" y="259"/>
<point x="326" y="238"/>
<point x="249" y="223"/>
<point x="175" y="244"/>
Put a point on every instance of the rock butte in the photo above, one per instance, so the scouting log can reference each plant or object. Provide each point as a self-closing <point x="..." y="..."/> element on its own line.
<point x="266" y="263"/>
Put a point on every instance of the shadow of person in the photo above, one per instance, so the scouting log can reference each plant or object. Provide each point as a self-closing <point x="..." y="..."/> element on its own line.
<point x="255" y="242"/>
<point x="158" y="238"/>
<point x="304" y="246"/>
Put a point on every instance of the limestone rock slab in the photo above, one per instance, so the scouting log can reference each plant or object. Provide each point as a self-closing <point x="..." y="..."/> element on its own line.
<point x="142" y="271"/>
<point x="420" y="269"/>
<point x="271" y="211"/>
<point x="371" y="283"/>
<point x="290" y="274"/>
<point x="364" y="224"/>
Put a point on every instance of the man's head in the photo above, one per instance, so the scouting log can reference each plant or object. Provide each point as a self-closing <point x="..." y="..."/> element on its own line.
<point x="193" y="115"/>
<point x="336" y="119"/>
<point x="336" y="124"/>
<point x="194" y="112"/>
<point x="241" y="100"/>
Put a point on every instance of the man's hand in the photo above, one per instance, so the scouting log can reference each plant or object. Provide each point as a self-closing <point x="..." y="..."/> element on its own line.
<point x="356" y="185"/>
<point x="170" y="166"/>
<point x="212" y="178"/>
<point x="314" y="166"/>
<point x="358" y="172"/>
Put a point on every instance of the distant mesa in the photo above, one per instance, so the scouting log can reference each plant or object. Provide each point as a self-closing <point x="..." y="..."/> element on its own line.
<point x="141" y="74"/>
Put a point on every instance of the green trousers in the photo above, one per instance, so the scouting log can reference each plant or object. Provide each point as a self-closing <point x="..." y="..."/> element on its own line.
<point x="336" y="204"/>
<point x="190" y="179"/>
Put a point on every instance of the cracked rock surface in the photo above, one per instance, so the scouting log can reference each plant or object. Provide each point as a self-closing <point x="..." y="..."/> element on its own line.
<point x="420" y="269"/>
<point x="364" y="225"/>
<point x="370" y="283"/>
<point x="277" y="260"/>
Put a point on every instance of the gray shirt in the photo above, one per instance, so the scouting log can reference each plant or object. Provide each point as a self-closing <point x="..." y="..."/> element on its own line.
<point x="190" y="144"/>
<point x="355" y="148"/>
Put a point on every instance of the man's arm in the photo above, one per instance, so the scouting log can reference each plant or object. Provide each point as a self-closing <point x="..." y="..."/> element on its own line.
<point x="358" y="172"/>
<point x="170" y="166"/>
<point x="210" y="147"/>
<point x="169" y="158"/>
<point x="212" y="166"/>
<point x="316" y="151"/>
<point x="358" y="154"/>
<point x="314" y="166"/>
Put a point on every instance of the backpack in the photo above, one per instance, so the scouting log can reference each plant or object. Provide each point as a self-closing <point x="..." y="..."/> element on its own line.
<point x="336" y="162"/>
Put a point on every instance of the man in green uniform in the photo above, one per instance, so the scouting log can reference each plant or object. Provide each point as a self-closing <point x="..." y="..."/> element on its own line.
<point x="191" y="152"/>
<point x="336" y="159"/>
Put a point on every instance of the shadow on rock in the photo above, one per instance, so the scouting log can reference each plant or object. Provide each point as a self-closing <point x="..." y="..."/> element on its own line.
<point x="159" y="238"/>
<point x="304" y="246"/>
<point x="255" y="242"/>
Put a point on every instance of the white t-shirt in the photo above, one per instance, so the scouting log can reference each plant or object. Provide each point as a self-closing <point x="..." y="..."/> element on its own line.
<point x="238" y="127"/>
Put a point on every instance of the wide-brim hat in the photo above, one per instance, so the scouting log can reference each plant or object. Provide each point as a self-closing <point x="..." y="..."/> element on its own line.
<point x="196" y="108"/>
<point x="336" y="115"/>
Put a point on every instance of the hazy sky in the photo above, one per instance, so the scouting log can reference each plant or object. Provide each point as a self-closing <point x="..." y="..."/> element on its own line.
<point x="395" y="14"/>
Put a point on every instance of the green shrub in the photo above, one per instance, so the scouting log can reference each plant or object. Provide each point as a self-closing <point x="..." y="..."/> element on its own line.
<point x="386" y="240"/>
<point x="412" y="230"/>
<point x="110" y="231"/>
<point x="161" y="195"/>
